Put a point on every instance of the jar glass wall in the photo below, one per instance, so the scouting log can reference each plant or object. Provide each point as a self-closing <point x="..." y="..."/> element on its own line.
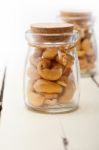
<point x="86" y="45"/>
<point x="52" y="69"/>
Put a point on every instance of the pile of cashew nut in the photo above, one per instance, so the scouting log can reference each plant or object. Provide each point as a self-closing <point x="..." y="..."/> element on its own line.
<point x="85" y="48"/>
<point x="49" y="74"/>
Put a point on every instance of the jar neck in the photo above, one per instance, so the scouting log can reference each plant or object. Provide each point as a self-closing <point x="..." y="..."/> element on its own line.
<point x="50" y="40"/>
<point x="80" y="21"/>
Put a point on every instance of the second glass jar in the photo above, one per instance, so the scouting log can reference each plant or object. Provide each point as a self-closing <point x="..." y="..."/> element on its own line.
<point x="86" y="45"/>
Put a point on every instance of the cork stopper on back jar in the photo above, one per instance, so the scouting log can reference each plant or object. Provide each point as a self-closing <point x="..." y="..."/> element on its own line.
<point x="76" y="14"/>
<point x="76" y="17"/>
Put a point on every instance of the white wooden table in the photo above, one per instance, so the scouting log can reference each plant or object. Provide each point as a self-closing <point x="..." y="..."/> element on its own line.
<point x="21" y="129"/>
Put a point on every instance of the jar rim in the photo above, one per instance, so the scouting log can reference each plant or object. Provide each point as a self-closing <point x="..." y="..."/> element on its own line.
<point x="50" y="34"/>
<point x="32" y="38"/>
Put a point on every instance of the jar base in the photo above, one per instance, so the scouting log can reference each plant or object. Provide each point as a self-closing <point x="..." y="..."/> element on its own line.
<point x="65" y="109"/>
<point x="88" y="73"/>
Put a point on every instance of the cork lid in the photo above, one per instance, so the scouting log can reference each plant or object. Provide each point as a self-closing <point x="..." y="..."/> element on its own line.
<point x="52" y="28"/>
<point x="76" y="14"/>
<point x="52" y="32"/>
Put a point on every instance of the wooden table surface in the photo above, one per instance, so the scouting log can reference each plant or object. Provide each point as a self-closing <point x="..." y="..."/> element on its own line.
<point x="21" y="129"/>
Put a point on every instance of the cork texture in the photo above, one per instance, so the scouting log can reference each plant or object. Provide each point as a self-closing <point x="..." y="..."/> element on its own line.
<point x="52" y="32"/>
<point x="75" y="14"/>
<point x="52" y="28"/>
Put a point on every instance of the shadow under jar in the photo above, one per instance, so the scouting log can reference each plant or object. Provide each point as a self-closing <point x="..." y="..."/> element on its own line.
<point x="86" y="45"/>
<point x="52" y="70"/>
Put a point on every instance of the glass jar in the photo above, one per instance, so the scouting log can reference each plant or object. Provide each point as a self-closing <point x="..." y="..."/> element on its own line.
<point x="86" y="45"/>
<point x="52" y="69"/>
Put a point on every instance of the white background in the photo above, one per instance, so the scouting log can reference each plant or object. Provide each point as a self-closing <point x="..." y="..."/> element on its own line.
<point x="17" y="15"/>
<point x="20" y="126"/>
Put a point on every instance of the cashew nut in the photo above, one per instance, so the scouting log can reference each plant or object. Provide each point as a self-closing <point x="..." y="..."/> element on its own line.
<point x="38" y="52"/>
<point x="47" y="86"/>
<point x="86" y="45"/>
<point x="50" y="53"/>
<point x="67" y="71"/>
<point x="68" y="92"/>
<point x="83" y="64"/>
<point x="35" y="99"/>
<point x="47" y="71"/>
<point x="61" y="58"/>
<point x="33" y="73"/>
<point x="78" y="45"/>
<point x="50" y="96"/>
<point x="70" y="60"/>
<point x="50" y="102"/>
<point x="34" y="61"/>
<point x="30" y="85"/>
<point x="63" y="81"/>
<point x="64" y="58"/>
<point x="81" y="53"/>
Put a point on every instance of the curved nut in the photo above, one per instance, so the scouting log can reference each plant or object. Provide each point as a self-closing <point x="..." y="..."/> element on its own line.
<point x="91" y="56"/>
<point x="68" y="68"/>
<point x="78" y="45"/>
<point x="48" y="73"/>
<point x="47" y="86"/>
<point x="30" y="85"/>
<point x="50" y="96"/>
<point x="50" y="102"/>
<point x="83" y="64"/>
<point x="38" y="52"/>
<point x="57" y="66"/>
<point x="68" y="72"/>
<point x="34" y="61"/>
<point x="50" y="53"/>
<point x="86" y="45"/>
<point x="64" y="59"/>
<point x="70" y="60"/>
<point x="82" y="32"/>
<point x="81" y="53"/>
<point x="62" y="81"/>
<point x="68" y="92"/>
<point x="35" y="99"/>
<point x="33" y="73"/>
<point x="61" y="58"/>
<point x="90" y="52"/>
<point x="36" y="56"/>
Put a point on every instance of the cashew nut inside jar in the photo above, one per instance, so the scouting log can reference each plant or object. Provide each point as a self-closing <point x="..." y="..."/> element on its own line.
<point x="86" y="45"/>
<point x="52" y="69"/>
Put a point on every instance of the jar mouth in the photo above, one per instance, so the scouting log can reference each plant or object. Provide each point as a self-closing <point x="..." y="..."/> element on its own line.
<point x="48" y="39"/>
<point x="50" y="34"/>
<point x="79" y="20"/>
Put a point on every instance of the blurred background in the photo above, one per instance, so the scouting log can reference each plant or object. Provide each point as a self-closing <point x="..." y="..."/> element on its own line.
<point x="17" y="15"/>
